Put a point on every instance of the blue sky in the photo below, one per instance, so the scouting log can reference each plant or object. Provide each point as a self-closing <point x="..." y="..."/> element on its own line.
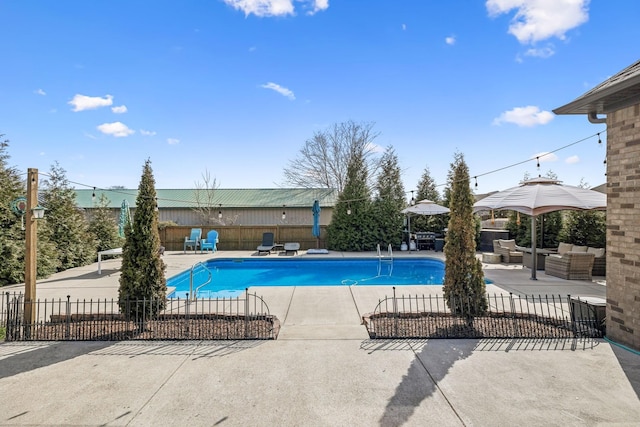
<point x="235" y="87"/>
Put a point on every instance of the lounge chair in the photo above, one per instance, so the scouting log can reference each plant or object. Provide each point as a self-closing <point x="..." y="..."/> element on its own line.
<point x="193" y="240"/>
<point x="507" y="249"/>
<point x="291" y="248"/>
<point x="268" y="243"/>
<point x="210" y="243"/>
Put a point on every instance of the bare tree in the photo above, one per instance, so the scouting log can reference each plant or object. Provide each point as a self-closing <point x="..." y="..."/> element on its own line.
<point x="322" y="161"/>
<point x="206" y="205"/>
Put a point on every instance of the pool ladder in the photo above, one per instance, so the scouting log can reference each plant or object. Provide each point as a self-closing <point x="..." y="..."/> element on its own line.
<point x="385" y="259"/>
<point x="193" y="295"/>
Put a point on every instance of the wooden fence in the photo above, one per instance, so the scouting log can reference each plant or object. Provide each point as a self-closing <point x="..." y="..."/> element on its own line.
<point x="244" y="237"/>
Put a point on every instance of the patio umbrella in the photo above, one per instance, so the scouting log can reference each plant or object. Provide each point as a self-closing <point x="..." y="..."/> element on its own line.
<point x="423" y="207"/>
<point x="125" y="217"/>
<point x="316" y="222"/>
<point x="539" y="196"/>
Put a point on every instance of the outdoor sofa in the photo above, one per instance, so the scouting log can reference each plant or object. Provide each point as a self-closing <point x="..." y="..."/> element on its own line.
<point x="570" y="265"/>
<point x="599" y="261"/>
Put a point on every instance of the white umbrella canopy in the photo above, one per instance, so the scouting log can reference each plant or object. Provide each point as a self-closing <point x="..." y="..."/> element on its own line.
<point x="539" y="196"/>
<point x="425" y="207"/>
<point x="542" y="195"/>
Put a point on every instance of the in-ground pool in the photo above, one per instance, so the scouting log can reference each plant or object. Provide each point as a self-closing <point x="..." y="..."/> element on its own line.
<point x="230" y="276"/>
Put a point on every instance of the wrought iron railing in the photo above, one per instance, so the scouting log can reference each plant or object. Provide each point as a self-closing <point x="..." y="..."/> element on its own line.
<point x="243" y="317"/>
<point x="507" y="316"/>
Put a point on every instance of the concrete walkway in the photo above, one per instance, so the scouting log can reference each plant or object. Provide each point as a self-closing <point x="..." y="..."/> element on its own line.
<point x="321" y="371"/>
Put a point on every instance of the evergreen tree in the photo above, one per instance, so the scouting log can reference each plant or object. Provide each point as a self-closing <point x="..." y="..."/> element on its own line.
<point x="390" y="200"/>
<point x="143" y="286"/>
<point x="464" y="287"/>
<point x="104" y="227"/>
<point x="66" y="227"/>
<point x="427" y="190"/>
<point x="584" y="228"/>
<point x="12" y="245"/>
<point x="352" y="227"/>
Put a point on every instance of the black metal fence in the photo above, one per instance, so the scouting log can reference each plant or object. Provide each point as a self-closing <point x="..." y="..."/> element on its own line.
<point x="508" y="316"/>
<point x="242" y="317"/>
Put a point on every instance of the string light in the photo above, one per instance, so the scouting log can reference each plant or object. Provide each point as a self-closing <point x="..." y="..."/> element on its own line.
<point x="413" y="200"/>
<point x="476" y="178"/>
<point x="93" y="195"/>
<point x="220" y="212"/>
<point x="284" y="214"/>
<point x="156" y="208"/>
<point x="129" y="193"/>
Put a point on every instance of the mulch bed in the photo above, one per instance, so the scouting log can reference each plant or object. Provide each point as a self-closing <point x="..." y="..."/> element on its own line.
<point x="115" y="328"/>
<point x="506" y="325"/>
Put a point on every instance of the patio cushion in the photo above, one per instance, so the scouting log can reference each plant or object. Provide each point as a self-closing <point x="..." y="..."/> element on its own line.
<point x="598" y="252"/>
<point x="509" y="244"/>
<point x="576" y="248"/>
<point x="564" y="248"/>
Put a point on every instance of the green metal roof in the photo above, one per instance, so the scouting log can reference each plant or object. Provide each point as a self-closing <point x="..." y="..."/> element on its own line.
<point x="229" y="198"/>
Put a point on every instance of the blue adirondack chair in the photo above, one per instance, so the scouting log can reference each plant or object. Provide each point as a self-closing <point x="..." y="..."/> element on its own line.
<point x="210" y="243"/>
<point x="193" y="240"/>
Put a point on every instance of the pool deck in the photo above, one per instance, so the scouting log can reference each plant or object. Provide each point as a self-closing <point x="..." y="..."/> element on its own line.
<point x="323" y="370"/>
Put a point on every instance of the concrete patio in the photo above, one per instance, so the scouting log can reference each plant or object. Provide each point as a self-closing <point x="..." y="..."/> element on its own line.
<point x="323" y="370"/>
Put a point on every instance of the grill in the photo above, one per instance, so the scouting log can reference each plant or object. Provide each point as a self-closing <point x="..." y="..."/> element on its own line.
<point x="425" y="240"/>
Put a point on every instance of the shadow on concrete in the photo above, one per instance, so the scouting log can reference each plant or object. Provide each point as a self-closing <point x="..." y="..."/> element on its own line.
<point x="23" y="357"/>
<point x="537" y="344"/>
<point x="630" y="364"/>
<point x="422" y="379"/>
<point x="196" y="349"/>
<point x="45" y="355"/>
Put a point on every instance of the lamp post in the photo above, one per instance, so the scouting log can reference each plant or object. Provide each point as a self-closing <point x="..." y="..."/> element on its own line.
<point x="34" y="211"/>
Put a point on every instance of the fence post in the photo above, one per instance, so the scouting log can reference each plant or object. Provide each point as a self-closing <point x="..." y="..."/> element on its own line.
<point x="513" y="314"/>
<point x="395" y="313"/>
<point x="246" y="312"/>
<point x="68" y="315"/>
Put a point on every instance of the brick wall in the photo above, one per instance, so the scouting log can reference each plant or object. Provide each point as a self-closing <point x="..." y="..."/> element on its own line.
<point x="623" y="226"/>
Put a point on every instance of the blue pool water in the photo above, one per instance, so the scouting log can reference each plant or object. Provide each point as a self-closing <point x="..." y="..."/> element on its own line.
<point x="229" y="277"/>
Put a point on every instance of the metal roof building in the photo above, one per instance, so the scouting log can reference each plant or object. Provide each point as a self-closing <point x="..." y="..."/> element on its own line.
<point x="236" y="206"/>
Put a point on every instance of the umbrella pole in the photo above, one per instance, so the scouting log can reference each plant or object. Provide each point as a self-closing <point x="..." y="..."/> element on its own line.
<point x="534" y="261"/>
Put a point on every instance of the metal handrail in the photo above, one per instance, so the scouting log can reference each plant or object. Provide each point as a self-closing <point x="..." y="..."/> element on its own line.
<point x="192" y="294"/>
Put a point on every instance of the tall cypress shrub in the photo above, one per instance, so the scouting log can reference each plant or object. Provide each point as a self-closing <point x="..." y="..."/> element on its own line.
<point x="143" y="286"/>
<point x="464" y="287"/>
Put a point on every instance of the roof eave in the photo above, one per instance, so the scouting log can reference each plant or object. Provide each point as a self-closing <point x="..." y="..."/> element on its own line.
<point x="599" y="102"/>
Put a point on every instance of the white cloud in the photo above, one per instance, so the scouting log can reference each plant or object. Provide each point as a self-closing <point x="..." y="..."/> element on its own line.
<point x="116" y="129"/>
<point x="525" y="116"/>
<point x="120" y="109"/>
<point x="536" y="20"/>
<point x="83" y="102"/>
<point x="280" y="89"/>
<point x="545" y="157"/>
<point x="571" y="160"/>
<point x="88" y="135"/>
<point x="266" y="8"/>
<point x="147" y="132"/>
<point x="451" y="40"/>
<point x="40" y="92"/>
<point x="173" y="141"/>
<point x="544" y="52"/>
<point x="319" y="5"/>
<point x="263" y="7"/>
